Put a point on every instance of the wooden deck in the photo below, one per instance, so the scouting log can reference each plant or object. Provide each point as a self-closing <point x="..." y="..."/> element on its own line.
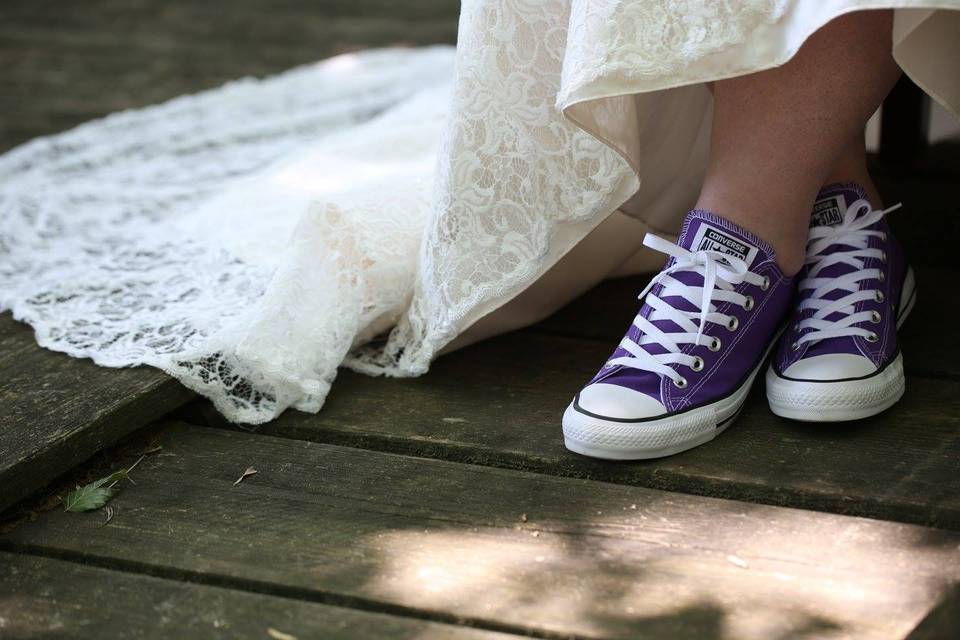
<point x="446" y="506"/>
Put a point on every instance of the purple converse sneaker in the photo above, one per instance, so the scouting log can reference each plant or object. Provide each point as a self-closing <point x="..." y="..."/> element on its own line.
<point x="683" y="370"/>
<point x="839" y="359"/>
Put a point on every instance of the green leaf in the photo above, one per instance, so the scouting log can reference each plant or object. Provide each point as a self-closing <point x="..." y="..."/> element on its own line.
<point x="94" y="495"/>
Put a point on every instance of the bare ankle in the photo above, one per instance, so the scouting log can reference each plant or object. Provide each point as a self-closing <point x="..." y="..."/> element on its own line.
<point x="782" y="226"/>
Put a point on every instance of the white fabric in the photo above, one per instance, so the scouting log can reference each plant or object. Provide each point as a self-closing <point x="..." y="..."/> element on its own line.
<point x="721" y="273"/>
<point x="839" y="318"/>
<point x="251" y="239"/>
<point x="242" y="239"/>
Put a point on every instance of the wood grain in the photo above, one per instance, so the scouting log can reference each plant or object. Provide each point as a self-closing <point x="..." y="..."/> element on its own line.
<point x="58" y="411"/>
<point x="50" y="598"/>
<point x="549" y="555"/>
<point x="65" y="62"/>
<point x="500" y="403"/>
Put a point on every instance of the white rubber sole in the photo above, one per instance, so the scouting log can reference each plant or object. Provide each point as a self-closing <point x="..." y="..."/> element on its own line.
<point x="843" y="400"/>
<point x="655" y="438"/>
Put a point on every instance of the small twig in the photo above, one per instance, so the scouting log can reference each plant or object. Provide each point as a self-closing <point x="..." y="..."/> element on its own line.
<point x="132" y="467"/>
<point x="249" y="472"/>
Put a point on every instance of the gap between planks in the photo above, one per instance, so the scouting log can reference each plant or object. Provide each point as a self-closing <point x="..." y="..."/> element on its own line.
<point x="365" y="525"/>
<point x="46" y="591"/>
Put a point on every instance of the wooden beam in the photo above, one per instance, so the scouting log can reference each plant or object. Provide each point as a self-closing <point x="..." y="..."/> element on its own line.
<point x="904" y="125"/>
<point x="497" y="548"/>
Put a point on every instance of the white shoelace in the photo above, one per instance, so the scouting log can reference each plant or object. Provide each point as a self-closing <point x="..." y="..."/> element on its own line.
<point x="853" y="232"/>
<point x="721" y="273"/>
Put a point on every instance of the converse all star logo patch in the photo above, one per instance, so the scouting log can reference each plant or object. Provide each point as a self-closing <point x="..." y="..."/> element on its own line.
<point x="712" y="239"/>
<point x="827" y="212"/>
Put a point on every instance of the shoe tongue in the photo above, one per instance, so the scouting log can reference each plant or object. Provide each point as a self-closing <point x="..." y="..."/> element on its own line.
<point x="832" y="203"/>
<point x="704" y="230"/>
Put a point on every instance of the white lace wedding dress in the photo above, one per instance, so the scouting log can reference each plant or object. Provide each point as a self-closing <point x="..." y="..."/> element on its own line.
<point x="373" y="209"/>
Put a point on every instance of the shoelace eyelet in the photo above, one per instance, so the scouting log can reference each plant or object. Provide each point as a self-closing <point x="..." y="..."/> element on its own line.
<point x="748" y="304"/>
<point x="875" y="317"/>
<point x="733" y="323"/>
<point x="681" y="383"/>
<point x="697" y="364"/>
<point x="765" y="284"/>
<point x="883" y="257"/>
<point x="878" y="296"/>
<point x="881" y="277"/>
<point x="872" y="337"/>
<point x="714" y="345"/>
<point x="795" y="346"/>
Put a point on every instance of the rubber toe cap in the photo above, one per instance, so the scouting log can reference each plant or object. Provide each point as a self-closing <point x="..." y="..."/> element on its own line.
<point x="615" y="401"/>
<point x="831" y="366"/>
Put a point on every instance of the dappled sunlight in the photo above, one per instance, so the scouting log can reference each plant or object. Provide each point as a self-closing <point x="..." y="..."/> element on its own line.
<point x="510" y="550"/>
<point x="546" y="582"/>
<point x="632" y="567"/>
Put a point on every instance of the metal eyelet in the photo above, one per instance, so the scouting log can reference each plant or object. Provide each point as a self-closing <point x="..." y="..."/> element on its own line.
<point x="795" y="346"/>
<point x="872" y="337"/>
<point x="715" y="345"/>
<point x="875" y="317"/>
<point x="681" y="383"/>
<point x="883" y="257"/>
<point x="748" y="304"/>
<point x="881" y="277"/>
<point x="878" y="296"/>
<point x="697" y="364"/>
<point x="765" y="284"/>
<point x="733" y="323"/>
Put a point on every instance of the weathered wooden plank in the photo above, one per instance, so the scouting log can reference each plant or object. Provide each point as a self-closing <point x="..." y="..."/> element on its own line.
<point x="500" y="403"/>
<point x="496" y="547"/>
<point x="58" y="411"/>
<point x="44" y="597"/>
<point x="64" y="64"/>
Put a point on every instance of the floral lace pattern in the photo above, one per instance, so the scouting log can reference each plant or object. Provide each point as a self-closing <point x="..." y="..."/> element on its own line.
<point x="655" y="39"/>
<point x="199" y="236"/>
<point x="360" y="212"/>
<point x="511" y="173"/>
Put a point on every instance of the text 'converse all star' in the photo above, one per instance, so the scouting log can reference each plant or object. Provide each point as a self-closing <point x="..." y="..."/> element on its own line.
<point x="840" y="360"/>
<point x="685" y="366"/>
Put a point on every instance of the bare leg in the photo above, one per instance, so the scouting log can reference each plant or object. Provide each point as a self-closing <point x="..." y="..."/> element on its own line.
<point x="779" y="135"/>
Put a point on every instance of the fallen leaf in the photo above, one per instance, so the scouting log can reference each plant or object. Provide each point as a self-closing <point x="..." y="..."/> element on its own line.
<point x="279" y="635"/>
<point x="94" y="495"/>
<point x="249" y="472"/>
